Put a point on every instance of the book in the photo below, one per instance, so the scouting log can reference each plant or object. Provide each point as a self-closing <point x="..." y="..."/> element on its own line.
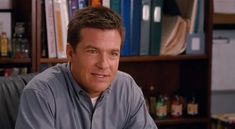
<point x="106" y="3"/>
<point x="145" y="27"/>
<point x="135" y="27"/>
<point x="72" y="7"/>
<point x="44" y="40"/>
<point x="69" y="6"/>
<point x="115" y="5"/>
<point x="126" y="13"/>
<point x="155" y="27"/>
<point x="61" y="22"/>
<point x="50" y="29"/>
<point x="199" y="21"/>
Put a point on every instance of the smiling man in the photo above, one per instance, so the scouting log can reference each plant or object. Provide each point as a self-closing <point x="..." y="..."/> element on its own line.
<point x="88" y="92"/>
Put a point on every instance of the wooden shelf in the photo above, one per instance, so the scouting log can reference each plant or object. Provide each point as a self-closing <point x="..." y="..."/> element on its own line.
<point x="138" y="58"/>
<point x="52" y="60"/>
<point x="15" y="61"/>
<point x="224" y="19"/>
<point x="178" y="121"/>
<point x="162" y="58"/>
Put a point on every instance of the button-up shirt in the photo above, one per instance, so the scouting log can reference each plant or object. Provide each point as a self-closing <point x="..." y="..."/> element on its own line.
<point x="54" y="100"/>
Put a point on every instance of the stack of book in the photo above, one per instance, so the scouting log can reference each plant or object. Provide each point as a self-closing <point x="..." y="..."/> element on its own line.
<point x="152" y="27"/>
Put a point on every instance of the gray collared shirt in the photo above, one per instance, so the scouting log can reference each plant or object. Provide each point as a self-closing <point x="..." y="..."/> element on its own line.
<point x="53" y="100"/>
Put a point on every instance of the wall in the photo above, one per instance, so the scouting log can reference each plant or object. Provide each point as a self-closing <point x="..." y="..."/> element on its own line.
<point x="223" y="102"/>
<point x="223" y="72"/>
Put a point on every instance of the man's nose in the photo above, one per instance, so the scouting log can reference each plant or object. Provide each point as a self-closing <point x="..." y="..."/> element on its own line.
<point x="103" y="61"/>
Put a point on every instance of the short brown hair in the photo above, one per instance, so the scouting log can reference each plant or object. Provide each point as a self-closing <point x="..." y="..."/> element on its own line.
<point x="93" y="17"/>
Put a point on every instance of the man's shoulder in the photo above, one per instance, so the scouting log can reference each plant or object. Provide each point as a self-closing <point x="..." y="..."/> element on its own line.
<point x="48" y="78"/>
<point x="123" y="75"/>
<point x="124" y="80"/>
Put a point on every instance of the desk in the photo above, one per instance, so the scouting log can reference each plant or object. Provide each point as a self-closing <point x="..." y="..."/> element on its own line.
<point x="223" y="121"/>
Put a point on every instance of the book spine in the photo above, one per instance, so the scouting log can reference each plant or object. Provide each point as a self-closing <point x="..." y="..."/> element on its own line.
<point x="156" y="27"/>
<point x="74" y="7"/>
<point x="115" y="5"/>
<point x="61" y="22"/>
<point x="145" y="27"/>
<point x="50" y="25"/>
<point x="125" y="13"/>
<point x="135" y="27"/>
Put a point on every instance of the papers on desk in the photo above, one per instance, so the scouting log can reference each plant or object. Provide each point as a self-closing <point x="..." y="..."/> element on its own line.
<point x="228" y="118"/>
<point x="224" y="6"/>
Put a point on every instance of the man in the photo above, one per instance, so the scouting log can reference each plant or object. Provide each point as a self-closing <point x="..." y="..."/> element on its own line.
<point x="89" y="92"/>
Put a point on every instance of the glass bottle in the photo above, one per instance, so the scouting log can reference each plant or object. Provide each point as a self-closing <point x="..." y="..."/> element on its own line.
<point x="4" y="44"/>
<point x="20" y="42"/>
<point x="177" y="106"/>
<point x="161" y="107"/>
<point x="192" y="106"/>
<point x="168" y="103"/>
<point x="152" y="101"/>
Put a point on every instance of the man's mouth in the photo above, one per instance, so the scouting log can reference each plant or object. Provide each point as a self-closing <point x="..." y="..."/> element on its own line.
<point x="100" y="75"/>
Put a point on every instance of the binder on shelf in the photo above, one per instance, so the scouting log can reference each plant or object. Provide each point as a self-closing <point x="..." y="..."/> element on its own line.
<point x="135" y="27"/>
<point x="145" y="27"/>
<point x="199" y="21"/>
<point x="126" y="13"/>
<point x="50" y="28"/>
<point x="195" y="44"/>
<point x="61" y="22"/>
<point x="155" y="27"/>
<point x="115" y="5"/>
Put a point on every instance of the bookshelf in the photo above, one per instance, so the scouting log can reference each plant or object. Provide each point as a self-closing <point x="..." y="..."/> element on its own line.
<point x="183" y="73"/>
<point x="21" y="12"/>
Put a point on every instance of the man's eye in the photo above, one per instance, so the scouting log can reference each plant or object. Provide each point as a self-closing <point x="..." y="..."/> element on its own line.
<point x="115" y="54"/>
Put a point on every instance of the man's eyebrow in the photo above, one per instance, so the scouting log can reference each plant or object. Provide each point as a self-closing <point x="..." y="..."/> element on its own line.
<point x="90" y="46"/>
<point x="116" y="50"/>
<point x="94" y="47"/>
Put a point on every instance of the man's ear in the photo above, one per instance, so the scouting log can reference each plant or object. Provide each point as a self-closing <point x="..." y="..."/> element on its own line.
<point x="69" y="51"/>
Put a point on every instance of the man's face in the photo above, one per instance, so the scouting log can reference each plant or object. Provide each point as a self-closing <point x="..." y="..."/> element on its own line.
<point x="95" y="62"/>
